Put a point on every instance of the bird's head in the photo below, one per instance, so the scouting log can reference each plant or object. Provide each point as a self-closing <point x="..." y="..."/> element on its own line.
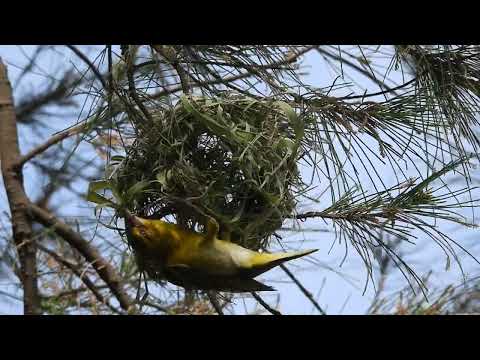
<point x="140" y="228"/>
<point x="149" y="234"/>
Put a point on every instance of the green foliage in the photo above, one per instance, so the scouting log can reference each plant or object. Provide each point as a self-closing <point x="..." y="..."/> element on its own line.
<point x="235" y="155"/>
<point x="233" y="158"/>
<point x="400" y="211"/>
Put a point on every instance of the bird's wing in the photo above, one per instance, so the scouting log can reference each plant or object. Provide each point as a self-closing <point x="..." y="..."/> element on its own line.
<point x="189" y="278"/>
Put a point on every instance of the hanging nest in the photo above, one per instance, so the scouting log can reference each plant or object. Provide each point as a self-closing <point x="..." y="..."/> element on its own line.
<point x="231" y="158"/>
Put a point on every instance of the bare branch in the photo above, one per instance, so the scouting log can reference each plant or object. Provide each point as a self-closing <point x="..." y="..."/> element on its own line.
<point x="155" y="306"/>
<point x="357" y="68"/>
<point x="87" y="61"/>
<point x="74" y="239"/>
<point x="351" y="97"/>
<point x="81" y="275"/>
<point x="50" y="142"/>
<point x="132" y="89"/>
<point x="302" y="288"/>
<point x="72" y="292"/>
<point x="13" y="179"/>
<point x="171" y="57"/>
<point x="224" y="81"/>
<point x="214" y="302"/>
<point x="53" y="95"/>
<point x="265" y="305"/>
<point x="178" y="88"/>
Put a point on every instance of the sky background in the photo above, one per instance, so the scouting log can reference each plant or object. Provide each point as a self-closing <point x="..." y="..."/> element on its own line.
<point x="339" y="289"/>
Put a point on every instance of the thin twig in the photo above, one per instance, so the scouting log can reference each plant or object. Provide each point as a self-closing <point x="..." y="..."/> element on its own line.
<point x="324" y="215"/>
<point x="204" y="83"/>
<point x="82" y="276"/>
<point x="290" y="59"/>
<point x="214" y="302"/>
<point x="87" y="61"/>
<point x="356" y="67"/>
<point x="218" y="63"/>
<point x="172" y="59"/>
<point x="54" y="95"/>
<point x="265" y="305"/>
<point x="71" y="292"/>
<point x="303" y="289"/>
<point x="155" y="306"/>
<point x="74" y="239"/>
<point x="131" y="86"/>
<point x="378" y="93"/>
<point x="50" y="142"/>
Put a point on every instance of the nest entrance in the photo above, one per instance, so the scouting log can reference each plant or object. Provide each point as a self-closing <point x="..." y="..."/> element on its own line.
<point x="231" y="158"/>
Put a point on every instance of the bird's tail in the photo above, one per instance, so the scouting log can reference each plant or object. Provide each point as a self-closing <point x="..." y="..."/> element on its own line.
<point x="265" y="262"/>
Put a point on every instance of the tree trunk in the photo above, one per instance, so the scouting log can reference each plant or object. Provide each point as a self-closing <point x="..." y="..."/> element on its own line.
<point x="17" y="199"/>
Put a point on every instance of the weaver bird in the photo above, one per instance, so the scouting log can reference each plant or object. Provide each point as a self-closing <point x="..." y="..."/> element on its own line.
<point x="201" y="261"/>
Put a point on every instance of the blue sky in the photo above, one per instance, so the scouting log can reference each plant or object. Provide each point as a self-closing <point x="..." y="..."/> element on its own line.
<point x="339" y="292"/>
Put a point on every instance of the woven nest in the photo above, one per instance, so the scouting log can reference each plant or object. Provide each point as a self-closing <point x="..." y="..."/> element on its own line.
<point x="231" y="158"/>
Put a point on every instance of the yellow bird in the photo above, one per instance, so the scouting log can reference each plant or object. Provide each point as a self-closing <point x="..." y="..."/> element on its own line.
<point x="202" y="261"/>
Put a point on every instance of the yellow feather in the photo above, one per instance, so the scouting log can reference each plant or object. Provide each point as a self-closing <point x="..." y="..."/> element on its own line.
<point x="202" y="261"/>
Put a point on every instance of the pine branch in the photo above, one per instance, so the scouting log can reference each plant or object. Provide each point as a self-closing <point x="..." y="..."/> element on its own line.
<point x="365" y="218"/>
